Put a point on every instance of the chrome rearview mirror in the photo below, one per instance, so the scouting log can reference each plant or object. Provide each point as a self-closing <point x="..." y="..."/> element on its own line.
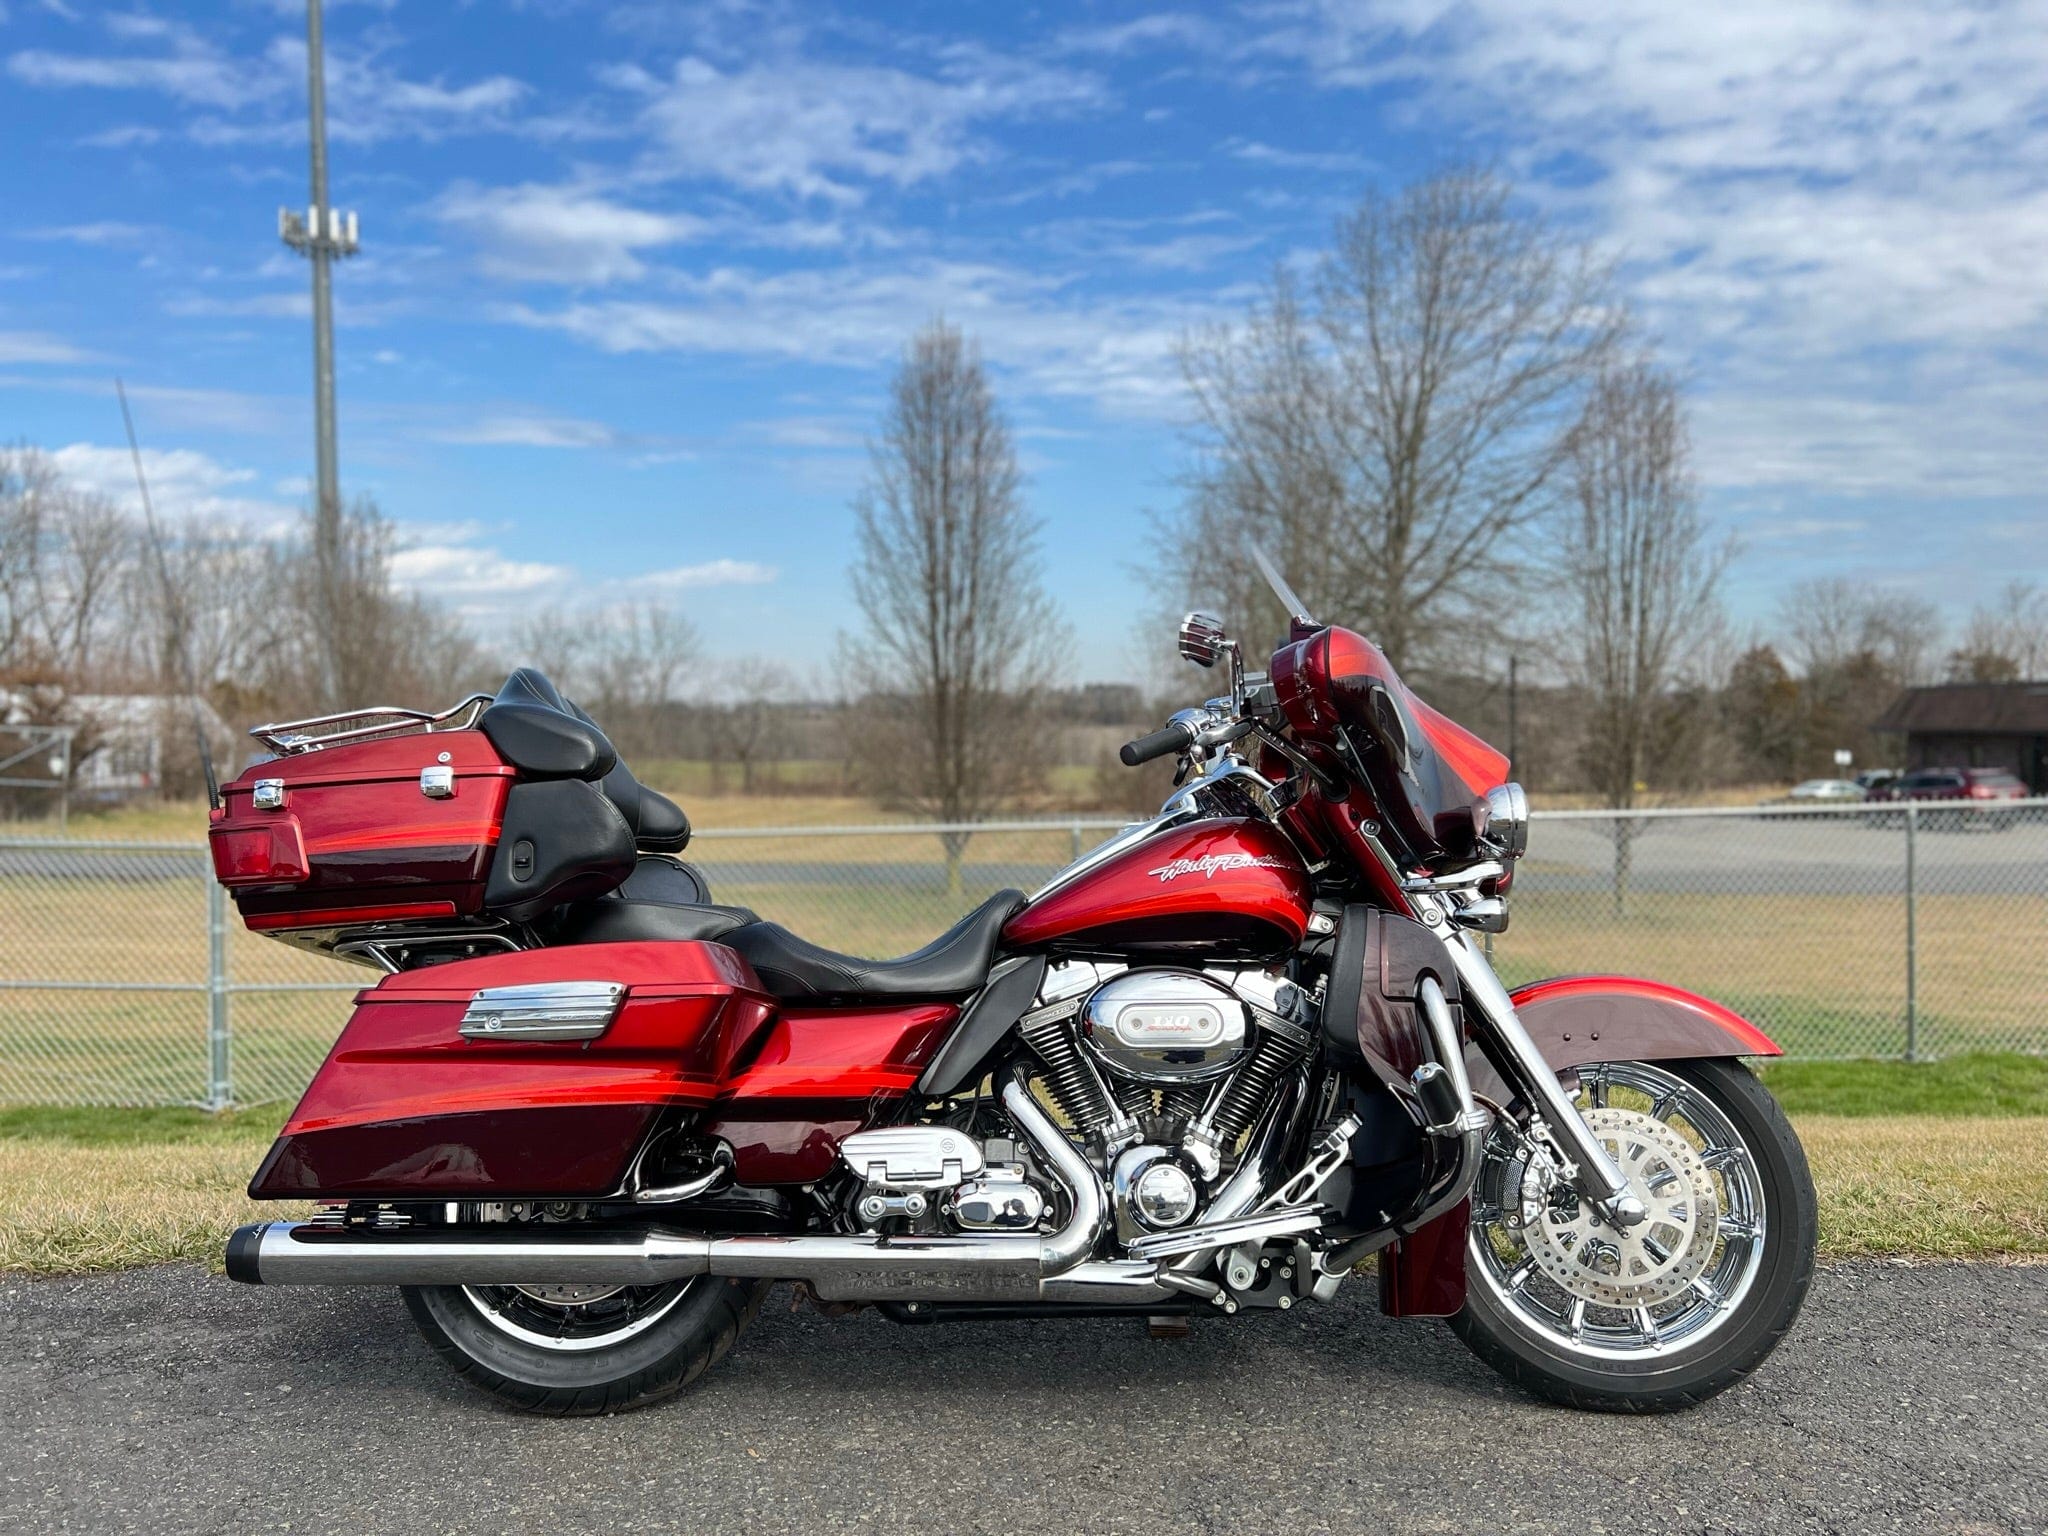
<point x="1202" y="639"/>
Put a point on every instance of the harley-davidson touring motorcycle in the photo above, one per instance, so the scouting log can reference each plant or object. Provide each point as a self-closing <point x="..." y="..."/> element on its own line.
<point x="588" y="1116"/>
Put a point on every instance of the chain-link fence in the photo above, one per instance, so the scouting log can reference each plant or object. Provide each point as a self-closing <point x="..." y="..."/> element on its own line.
<point x="126" y="977"/>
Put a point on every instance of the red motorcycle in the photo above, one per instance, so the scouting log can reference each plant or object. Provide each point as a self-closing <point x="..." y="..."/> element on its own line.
<point x="588" y="1117"/>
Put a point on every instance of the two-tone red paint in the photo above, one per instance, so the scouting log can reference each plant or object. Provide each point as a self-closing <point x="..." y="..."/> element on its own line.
<point x="1329" y="682"/>
<point x="816" y="1079"/>
<point x="1207" y="887"/>
<point x="356" y="840"/>
<point x="405" y="1106"/>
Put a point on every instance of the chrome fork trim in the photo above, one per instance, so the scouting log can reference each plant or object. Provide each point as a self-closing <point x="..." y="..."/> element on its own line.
<point x="1598" y="1179"/>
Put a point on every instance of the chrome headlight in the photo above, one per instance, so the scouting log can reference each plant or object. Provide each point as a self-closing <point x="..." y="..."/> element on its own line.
<point x="1507" y="819"/>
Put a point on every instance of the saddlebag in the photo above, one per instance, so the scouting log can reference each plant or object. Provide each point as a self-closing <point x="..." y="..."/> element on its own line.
<point x="536" y="1074"/>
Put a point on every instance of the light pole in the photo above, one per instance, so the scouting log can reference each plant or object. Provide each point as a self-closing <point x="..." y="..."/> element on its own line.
<point x="322" y="234"/>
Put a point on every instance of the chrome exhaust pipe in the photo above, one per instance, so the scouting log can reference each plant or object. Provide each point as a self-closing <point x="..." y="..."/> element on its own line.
<point x="300" y="1253"/>
<point x="837" y="1267"/>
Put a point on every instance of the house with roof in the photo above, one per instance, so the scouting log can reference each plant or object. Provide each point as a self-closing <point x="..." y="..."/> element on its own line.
<point x="1974" y="725"/>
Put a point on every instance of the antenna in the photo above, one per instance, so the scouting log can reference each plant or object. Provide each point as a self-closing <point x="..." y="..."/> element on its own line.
<point x="177" y="652"/>
<point x="322" y="235"/>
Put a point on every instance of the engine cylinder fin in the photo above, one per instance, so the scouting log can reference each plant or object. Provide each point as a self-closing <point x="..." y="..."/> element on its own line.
<point x="1074" y="1084"/>
<point x="1281" y="1044"/>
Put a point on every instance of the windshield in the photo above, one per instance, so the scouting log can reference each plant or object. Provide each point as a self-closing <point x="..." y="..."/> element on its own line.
<point x="1289" y="599"/>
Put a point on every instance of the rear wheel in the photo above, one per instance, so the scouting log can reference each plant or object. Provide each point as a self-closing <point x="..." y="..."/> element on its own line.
<point x="584" y="1349"/>
<point x="1666" y="1314"/>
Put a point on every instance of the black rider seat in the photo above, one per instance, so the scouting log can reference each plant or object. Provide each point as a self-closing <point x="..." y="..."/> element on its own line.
<point x="663" y="899"/>
<point x="951" y="966"/>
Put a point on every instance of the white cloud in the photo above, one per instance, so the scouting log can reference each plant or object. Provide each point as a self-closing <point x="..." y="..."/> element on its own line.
<point x="368" y="98"/>
<point x="1825" y="208"/>
<point x="819" y="130"/>
<point x="38" y="347"/>
<point x="467" y="571"/>
<point x="1162" y="29"/>
<point x="106" y="232"/>
<point x="560" y="234"/>
<point x="1118" y="352"/>
<point x="186" y="67"/>
<point x="123" y="137"/>
<point x="712" y="573"/>
<point x="183" y="483"/>
<point x="1258" y="153"/>
<point x="529" y="431"/>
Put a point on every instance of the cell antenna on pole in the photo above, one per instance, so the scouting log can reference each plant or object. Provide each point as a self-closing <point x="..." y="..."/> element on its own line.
<point x="322" y="233"/>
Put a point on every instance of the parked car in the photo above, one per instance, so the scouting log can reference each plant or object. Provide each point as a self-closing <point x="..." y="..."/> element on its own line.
<point x="1814" y="793"/>
<point x="1825" y="791"/>
<point x="1974" y="786"/>
<point x="1871" y="779"/>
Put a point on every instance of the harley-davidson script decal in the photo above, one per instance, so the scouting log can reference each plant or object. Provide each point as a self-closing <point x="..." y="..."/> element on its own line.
<point x="1209" y="865"/>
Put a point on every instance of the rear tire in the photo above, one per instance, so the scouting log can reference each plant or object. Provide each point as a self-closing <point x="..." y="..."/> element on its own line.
<point x="1510" y="1324"/>
<point x="621" y="1350"/>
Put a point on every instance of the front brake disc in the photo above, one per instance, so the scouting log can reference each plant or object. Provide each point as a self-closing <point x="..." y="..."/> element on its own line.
<point x="1643" y="1265"/>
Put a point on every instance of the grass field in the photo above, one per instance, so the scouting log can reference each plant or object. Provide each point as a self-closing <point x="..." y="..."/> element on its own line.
<point x="1939" y="1161"/>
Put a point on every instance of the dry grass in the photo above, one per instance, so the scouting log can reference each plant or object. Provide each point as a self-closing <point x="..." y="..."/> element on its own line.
<point x="70" y="1210"/>
<point x="1930" y="1188"/>
<point x="1909" y="1187"/>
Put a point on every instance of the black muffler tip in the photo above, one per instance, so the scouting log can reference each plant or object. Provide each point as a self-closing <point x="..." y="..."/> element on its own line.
<point x="244" y="1243"/>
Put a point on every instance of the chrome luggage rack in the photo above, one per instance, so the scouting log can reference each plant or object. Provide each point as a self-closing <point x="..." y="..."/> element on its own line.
<point x="287" y="738"/>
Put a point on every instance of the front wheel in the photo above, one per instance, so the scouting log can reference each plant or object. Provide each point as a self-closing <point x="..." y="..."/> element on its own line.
<point x="584" y="1349"/>
<point x="1666" y="1314"/>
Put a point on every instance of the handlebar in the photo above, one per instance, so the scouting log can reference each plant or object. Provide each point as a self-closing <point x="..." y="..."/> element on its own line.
<point x="1174" y="736"/>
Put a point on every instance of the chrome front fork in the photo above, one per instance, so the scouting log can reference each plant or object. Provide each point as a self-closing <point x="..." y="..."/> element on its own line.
<point x="1593" y="1173"/>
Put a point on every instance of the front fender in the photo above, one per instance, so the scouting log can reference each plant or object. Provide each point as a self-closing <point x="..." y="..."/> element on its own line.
<point x="1575" y="1020"/>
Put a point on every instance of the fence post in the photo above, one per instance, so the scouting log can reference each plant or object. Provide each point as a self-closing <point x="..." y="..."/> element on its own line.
<point x="1074" y="832"/>
<point x="220" y="1087"/>
<point x="1912" y="933"/>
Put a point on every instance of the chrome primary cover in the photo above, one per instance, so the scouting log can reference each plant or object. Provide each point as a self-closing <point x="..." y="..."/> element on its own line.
<point x="1163" y="1026"/>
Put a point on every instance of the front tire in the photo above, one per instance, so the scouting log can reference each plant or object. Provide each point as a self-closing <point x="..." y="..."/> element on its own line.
<point x="580" y="1350"/>
<point x="1666" y="1318"/>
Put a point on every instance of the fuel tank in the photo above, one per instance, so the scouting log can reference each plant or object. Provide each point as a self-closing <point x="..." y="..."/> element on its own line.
<point x="1218" y="888"/>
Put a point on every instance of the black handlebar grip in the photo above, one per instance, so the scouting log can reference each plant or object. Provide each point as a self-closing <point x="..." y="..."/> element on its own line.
<point x="1175" y="737"/>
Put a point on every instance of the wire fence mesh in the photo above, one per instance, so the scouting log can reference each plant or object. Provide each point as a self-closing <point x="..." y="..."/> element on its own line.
<point x="126" y="977"/>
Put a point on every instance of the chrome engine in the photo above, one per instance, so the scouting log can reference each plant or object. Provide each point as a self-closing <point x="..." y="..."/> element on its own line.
<point x="1163" y="1071"/>
<point x="1160" y="1071"/>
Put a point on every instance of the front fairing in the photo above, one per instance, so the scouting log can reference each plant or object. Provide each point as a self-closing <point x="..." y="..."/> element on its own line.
<point x="1425" y="774"/>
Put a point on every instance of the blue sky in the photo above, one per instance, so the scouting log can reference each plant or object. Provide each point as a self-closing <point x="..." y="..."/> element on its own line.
<point x="634" y="274"/>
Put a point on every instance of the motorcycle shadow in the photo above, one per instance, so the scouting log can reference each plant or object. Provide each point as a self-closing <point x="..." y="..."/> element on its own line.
<point x="1348" y="1341"/>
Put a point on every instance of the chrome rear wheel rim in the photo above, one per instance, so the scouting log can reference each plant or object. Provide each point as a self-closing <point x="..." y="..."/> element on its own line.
<point x="1610" y="1303"/>
<point x="574" y="1319"/>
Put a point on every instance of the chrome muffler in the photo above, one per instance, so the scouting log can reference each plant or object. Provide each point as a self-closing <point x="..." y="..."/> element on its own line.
<point x="854" y="1267"/>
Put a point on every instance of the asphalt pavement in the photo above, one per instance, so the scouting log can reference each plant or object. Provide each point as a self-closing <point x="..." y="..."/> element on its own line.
<point x="1908" y="1399"/>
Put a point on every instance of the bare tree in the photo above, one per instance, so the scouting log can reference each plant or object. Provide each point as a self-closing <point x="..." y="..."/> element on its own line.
<point x="645" y="655"/>
<point x="1395" y="429"/>
<point x="389" y="646"/>
<point x="627" y="664"/>
<point x="2006" y="639"/>
<point x="1641" y="578"/>
<point x="1831" y="621"/>
<point x="1856" y="645"/>
<point x="749" y="726"/>
<point x="960" y="637"/>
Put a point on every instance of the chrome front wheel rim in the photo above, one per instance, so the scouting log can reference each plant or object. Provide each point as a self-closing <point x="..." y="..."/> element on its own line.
<point x="1601" y="1293"/>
